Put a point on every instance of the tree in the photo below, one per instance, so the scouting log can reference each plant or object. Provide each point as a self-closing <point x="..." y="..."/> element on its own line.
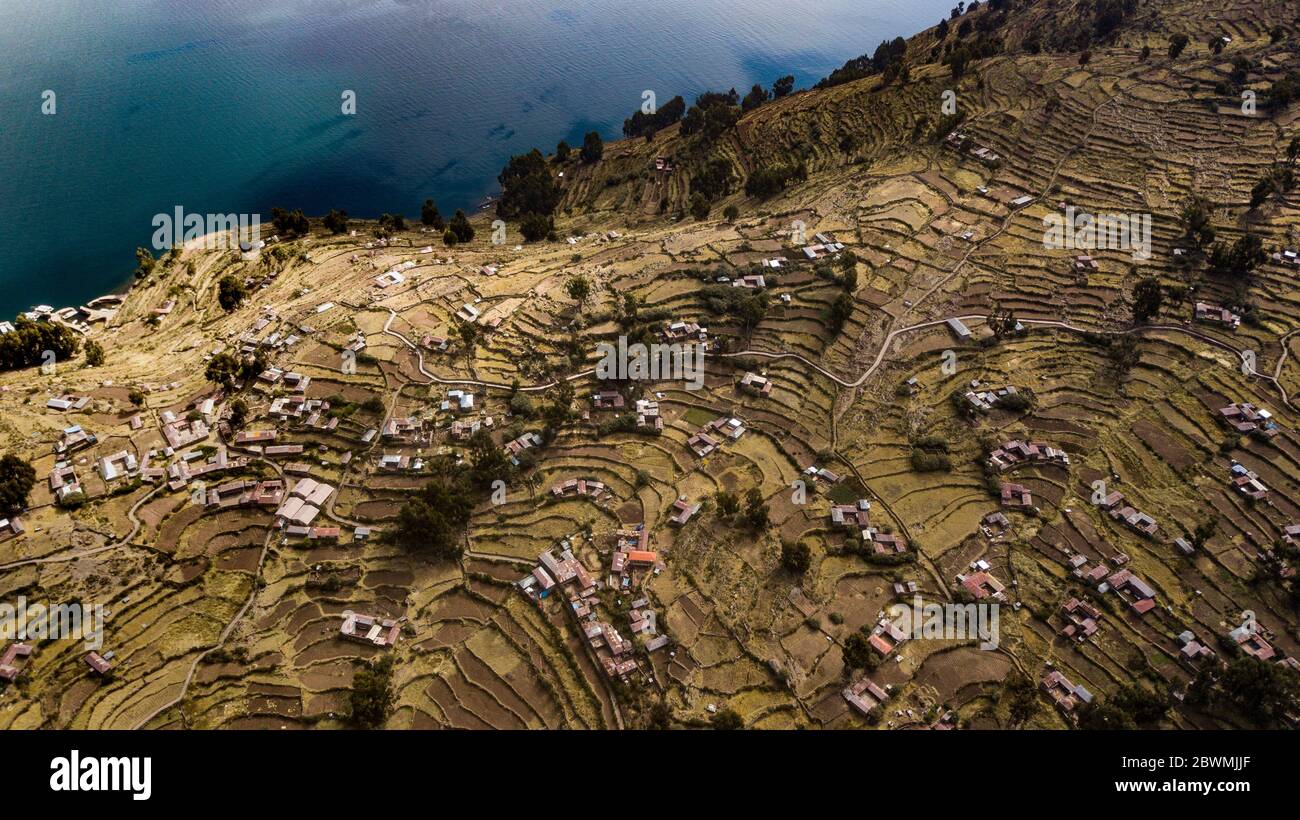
<point x="371" y="699"/>
<point x="144" y="263"/>
<point x="536" y="227"/>
<point x="336" y="221"/>
<point x="857" y="651"/>
<point x="433" y="522"/>
<point x="699" y="207"/>
<point x="449" y="237"/>
<point x="94" y="353"/>
<point x="841" y="310"/>
<point x="1148" y="296"/>
<point x="783" y="86"/>
<point x="230" y="292"/>
<point x="728" y="503"/>
<point x="578" y="288"/>
<point x="562" y="151"/>
<point x="390" y="224"/>
<point x="756" y="97"/>
<point x="727" y="719"/>
<point x="593" y="147"/>
<point x="796" y="557"/>
<point x="289" y="223"/>
<point x="1123" y="353"/>
<point x="461" y="228"/>
<point x="730" y="213"/>
<point x="1176" y="45"/>
<point x="17" y="478"/>
<point x="469" y="338"/>
<point x="1021" y="699"/>
<point x="430" y="216"/>
<point x="238" y="413"/>
<point x="527" y="186"/>
<point x="1103" y="715"/>
<point x="1195" y="221"/>
<point x="756" y="509"/>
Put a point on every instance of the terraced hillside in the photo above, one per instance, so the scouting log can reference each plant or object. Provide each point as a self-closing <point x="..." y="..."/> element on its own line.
<point x="739" y="541"/>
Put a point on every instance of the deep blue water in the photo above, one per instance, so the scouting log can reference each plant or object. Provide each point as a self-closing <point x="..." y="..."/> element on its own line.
<point x="233" y="106"/>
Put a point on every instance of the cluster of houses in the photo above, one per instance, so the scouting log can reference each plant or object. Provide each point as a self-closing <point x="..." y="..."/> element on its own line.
<point x="65" y="402"/>
<point x="304" y="503"/>
<point x="1016" y="496"/>
<point x="369" y="629"/>
<point x="1016" y="452"/>
<point x="1192" y="653"/>
<point x="72" y="439"/>
<point x="405" y="429"/>
<point x="712" y="435"/>
<point x="1206" y="312"/>
<point x="961" y="142"/>
<point x="985" y="400"/>
<point x="1248" y="419"/>
<point x="1131" y="589"/>
<point x="887" y="636"/>
<point x="980" y="583"/>
<point x="1066" y="695"/>
<point x="683" y="511"/>
<point x="824" y="246"/>
<point x="756" y="385"/>
<point x="753" y="281"/>
<point x="647" y="415"/>
<point x="579" y="487"/>
<point x="247" y="493"/>
<point x="865" y="696"/>
<point x="515" y="447"/>
<point x="1081" y="620"/>
<point x="64" y="482"/>
<point x="681" y="331"/>
<point x="1247" y="483"/>
<point x="1131" y="517"/>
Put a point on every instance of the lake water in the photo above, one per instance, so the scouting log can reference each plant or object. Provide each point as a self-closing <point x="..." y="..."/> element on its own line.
<point x="234" y="106"/>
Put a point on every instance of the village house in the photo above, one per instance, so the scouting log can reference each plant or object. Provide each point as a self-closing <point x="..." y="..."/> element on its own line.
<point x="756" y="384"/>
<point x="607" y="400"/>
<point x="10" y="668"/>
<point x="1247" y="419"/>
<point x="1063" y="693"/>
<point x="682" y="512"/>
<point x="118" y="465"/>
<point x="462" y="429"/>
<point x="1193" y="654"/>
<point x="1140" y="597"/>
<point x="886" y="637"/>
<point x="1080" y="619"/>
<point x="402" y="429"/>
<point x="97" y="663"/>
<point x="67" y="402"/>
<point x="1249" y="638"/>
<point x="368" y="629"/>
<point x="10" y="528"/>
<point x="959" y="329"/>
<point x="73" y="439"/>
<point x="1247" y="483"/>
<point x="525" y="442"/>
<point x="1016" y="495"/>
<point x="981" y="584"/>
<point x="985" y="400"/>
<point x="750" y="282"/>
<point x="684" y="331"/>
<point x="458" y="401"/>
<point x="885" y="543"/>
<point x="1206" y="312"/>
<point x="647" y="415"/>
<point x="854" y="517"/>
<point x="1016" y="452"/>
<point x="865" y="695"/>
<point x="578" y="487"/>
<point x="63" y="481"/>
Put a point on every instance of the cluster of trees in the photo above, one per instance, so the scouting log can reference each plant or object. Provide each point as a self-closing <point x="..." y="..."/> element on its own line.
<point x="17" y="478"/>
<point x="26" y="344"/>
<point x="458" y="230"/>
<point x="754" y="514"/>
<point x="745" y="306"/>
<point x="336" y="221"/>
<point x="230" y="292"/>
<point x="712" y="115"/>
<point x="771" y="180"/>
<point x="796" y="556"/>
<point x="290" y="223"/>
<point x="226" y="368"/>
<point x="94" y="353"/>
<point x="1148" y="297"/>
<point x="641" y="124"/>
<point x="840" y="311"/>
<point x="1264" y="692"/>
<point x="530" y="193"/>
<point x="889" y="53"/>
<point x="371" y="699"/>
<point x="930" y="454"/>
<point x="1239" y="259"/>
<point x="431" y="217"/>
<point x="593" y="147"/>
<point x="1131" y="706"/>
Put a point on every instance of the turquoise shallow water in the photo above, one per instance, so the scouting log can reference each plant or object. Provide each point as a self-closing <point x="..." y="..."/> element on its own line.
<point x="233" y="106"/>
